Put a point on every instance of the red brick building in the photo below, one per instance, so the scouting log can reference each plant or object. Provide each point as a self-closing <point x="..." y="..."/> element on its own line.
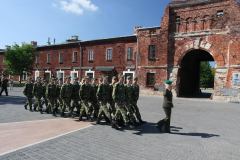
<point x="191" y="31"/>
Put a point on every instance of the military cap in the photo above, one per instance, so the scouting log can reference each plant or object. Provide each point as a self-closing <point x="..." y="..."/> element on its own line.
<point x="86" y="77"/>
<point x="68" y="77"/>
<point x="29" y="78"/>
<point x="135" y="78"/>
<point x="100" y="79"/>
<point x="168" y="82"/>
<point x="129" y="77"/>
<point x="83" y="79"/>
<point x="120" y="75"/>
<point x="75" y="78"/>
<point x="94" y="79"/>
<point x="44" y="80"/>
<point x="55" y="78"/>
<point x="105" y="75"/>
<point x="38" y="78"/>
<point x="114" y="77"/>
<point x="60" y="79"/>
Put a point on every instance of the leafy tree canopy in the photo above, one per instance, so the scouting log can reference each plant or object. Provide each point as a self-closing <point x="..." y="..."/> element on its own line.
<point x="206" y="75"/>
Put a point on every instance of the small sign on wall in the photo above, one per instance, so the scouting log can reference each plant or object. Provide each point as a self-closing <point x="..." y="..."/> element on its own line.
<point x="236" y="79"/>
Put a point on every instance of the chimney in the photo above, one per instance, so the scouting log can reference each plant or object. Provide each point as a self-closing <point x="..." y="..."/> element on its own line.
<point x="75" y="38"/>
<point x="135" y="29"/>
<point x="7" y="47"/>
<point x="34" y="43"/>
<point x="48" y="43"/>
<point x="54" y="41"/>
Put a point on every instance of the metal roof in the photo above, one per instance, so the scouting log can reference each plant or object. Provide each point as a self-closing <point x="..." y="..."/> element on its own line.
<point x="148" y="28"/>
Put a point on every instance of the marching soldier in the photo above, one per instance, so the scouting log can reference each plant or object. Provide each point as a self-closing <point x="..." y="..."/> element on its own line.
<point x="75" y="95"/>
<point x="119" y="98"/>
<point x="103" y="97"/>
<point x="112" y="108"/>
<point x="57" y="95"/>
<point x="100" y="80"/>
<point x="28" y="92"/>
<point x="59" y="86"/>
<point x="135" y="97"/>
<point x="167" y="107"/>
<point x="94" y="105"/>
<point x="85" y="96"/>
<point x="66" y="95"/>
<point x="51" y="96"/>
<point x="38" y="93"/>
<point x="44" y="101"/>
<point x="4" y="85"/>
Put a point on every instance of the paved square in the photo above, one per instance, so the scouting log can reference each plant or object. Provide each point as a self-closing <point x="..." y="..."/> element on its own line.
<point x="202" y="130"/>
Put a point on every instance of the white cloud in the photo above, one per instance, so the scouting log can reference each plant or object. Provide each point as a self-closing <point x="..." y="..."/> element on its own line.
<point x="71" y="7"/>
<point x="54" y="5"/>
<point x="77" y="6"/>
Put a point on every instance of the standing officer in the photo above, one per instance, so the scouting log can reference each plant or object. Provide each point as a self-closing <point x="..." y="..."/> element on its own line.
<point x="51" y="94"/>
<point x="28" y="92"/>
<point x="66" y="95"/>
<point x="119" y="98"/>
<point x="44" y="101"/>
<point x="38" y="93"/>
<point x="4" y="85"/>
<point x="94" y="105"/>
<point x="103" y="97"/>
<point x="59" y="86"/>
<point x="75" y="95"/>
<point x="135" y="97"/>
<point x="85" y="96"/>
<point x="112" y="108"/>
<point x="167" y="107"/>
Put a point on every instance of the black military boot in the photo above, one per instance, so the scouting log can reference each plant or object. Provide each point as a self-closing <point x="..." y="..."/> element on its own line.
<point x="7" y="94"/>
<point x="54" y="113"/>
<point x="98" y="121"/>
<point x="160" y="124"/>
<point x="71" y="115"/>
<point x="80" y="117"/>
<point x="47" y="111"/>
<point x="142" y="122"/>
<point x="62" y="114"/>
<point x="40" y="111"/>
<point x="25" y="106"/>
<point x="131" y="125"/>
<point x="89" y="118"/>
<point x="30" y="109"/>
<point x="35" y="109"/>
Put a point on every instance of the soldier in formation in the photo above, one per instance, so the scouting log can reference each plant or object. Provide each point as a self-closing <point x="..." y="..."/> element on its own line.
<point x="75" y="95"/>
<point x="94" y="106"/>
<point x="38" y="94"/>
<point x="51" y="95"/>
<point x="60" y="102"/>
<point x="44" y="101"/>
<point x="4" y="85"/>
<point x="28" y="92"/>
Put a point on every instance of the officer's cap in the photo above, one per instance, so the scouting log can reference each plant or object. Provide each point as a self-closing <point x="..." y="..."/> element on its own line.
<point x="168" y="82"/>
<point x="86" y="77"/>
<point x="129" y="77"/>
<point x="100" y="79"/>
<point x="60" y="79"/>
<point x="94" y="79"/>
<point x="67" y="77"/>
<point x="75" y="78"/>
<point x="120" y="75"/>
<point x="44" y="81"/>
<point x="114" y="77"/>
<point x="135" y="78"/>
<point x="105" y="75"/>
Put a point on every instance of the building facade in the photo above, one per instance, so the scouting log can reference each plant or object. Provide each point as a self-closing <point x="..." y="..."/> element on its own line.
<point x="191" y="31"/>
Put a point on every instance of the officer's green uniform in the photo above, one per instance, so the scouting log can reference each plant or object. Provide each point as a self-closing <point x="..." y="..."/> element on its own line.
<point x="119" y="97"/>
<point x="75" y="96"/>
<point x="94" y="106"/>
<point x="44" y="101"/>
<point x="28" y="92"/>
<point x="85" y="95"/>
<point x="38" y="93"/>
<point x="51" y="94"/>
<point x="4" y="85"/>
<point x="57" y="96"/>
<point x="167" y="107"/>
<point x="103" y="95"/>
<point x="112" y="108"/>
<point x="66" y="95"/>
<point x="60" y="102"/>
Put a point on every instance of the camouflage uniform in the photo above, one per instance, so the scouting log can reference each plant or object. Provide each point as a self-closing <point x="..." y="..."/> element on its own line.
<point x="75" y="97"/>
<point x="44" y="101"/>
<point x="129" y="92"/>
<point x="4" y="86"/>
<point x="57" y="96"/>
<point x="51" y="94"/>
<point x="38" y="93"/>
<point x="94" y="106"/>
<point x="60" y="102"/>
<point x="135" y="97"/>
<point x="27" y="91"/>
<point x="103" y="95"/>
<point x="85" y="95"/>
<point x="112" y="108"/>
<point x="66" y="95"/>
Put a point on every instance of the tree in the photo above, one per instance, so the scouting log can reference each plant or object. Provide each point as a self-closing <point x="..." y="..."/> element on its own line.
<point x="206" y="75"/>
<point x="20" y="59"/>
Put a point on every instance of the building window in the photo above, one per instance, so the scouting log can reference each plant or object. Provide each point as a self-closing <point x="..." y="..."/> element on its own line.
<point x="152" y="52"/>
<point x="74" y="56"/>
<point x="37" y="59"/>
<point x="48" y="58"/>
<point x="150" y="79"/>
<point x="60" y="57"/>
<point x="129" y="53"/>
<point x="90" y="55"/>
<point x="220" y="13"/>
<point x="109" y="54"/>
<point x="178" y="19"/>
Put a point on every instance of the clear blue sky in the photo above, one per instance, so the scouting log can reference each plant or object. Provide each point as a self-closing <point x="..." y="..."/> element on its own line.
<point x="31" y="20"/>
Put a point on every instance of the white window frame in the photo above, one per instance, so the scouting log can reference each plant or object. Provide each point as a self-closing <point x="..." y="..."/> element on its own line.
<point x="49" y="72"/>
<point x="129" y="71"/>
<point x="37" y="74"/>
<point x="72" y="72"/>
<point x="24" y="72"/>
<point x="107" y="54"/>
<point x="58" y="72"/>
<point x="48" y="61"/>
<point x="90" y="71"/>
<point x="60" y="58"/>
<point x="74" y="60"/>
<point x="89" y="55"/>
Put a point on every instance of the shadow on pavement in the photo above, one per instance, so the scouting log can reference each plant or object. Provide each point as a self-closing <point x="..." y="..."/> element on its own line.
<point x="200" y="95"/>
<point x="202" y="135"/>
<point x="12" y="100"/>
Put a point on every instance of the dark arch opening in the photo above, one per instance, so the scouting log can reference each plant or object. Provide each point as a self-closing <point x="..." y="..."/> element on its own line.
<point x="189" y="73"/>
